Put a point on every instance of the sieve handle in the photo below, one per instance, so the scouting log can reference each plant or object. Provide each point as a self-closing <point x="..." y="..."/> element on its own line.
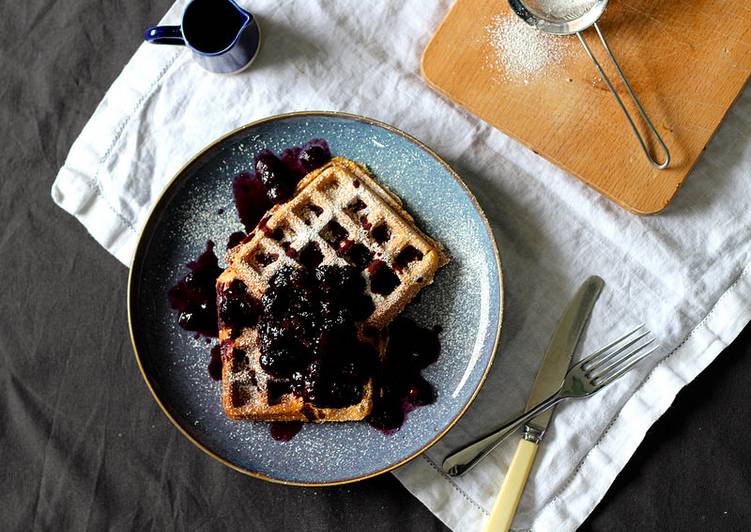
<point x="641" y="110"/>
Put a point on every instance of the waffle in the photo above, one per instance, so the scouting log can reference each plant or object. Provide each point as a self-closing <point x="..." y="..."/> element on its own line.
<point x="245" y="387"/>
<point x="339" y="215"/>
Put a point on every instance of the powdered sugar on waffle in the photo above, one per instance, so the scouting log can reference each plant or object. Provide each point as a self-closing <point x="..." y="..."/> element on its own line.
<point x="334" y="190"/>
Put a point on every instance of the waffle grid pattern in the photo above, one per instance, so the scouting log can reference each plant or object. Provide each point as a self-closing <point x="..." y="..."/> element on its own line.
<point x="339" y="216"/>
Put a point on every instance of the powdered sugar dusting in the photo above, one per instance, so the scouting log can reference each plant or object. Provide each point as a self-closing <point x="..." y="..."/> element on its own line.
<point x="519" y="52"/>
<point x="560" y="10"/>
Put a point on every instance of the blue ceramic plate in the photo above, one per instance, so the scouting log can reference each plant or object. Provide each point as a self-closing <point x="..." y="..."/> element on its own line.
<point x="466" y="300"/>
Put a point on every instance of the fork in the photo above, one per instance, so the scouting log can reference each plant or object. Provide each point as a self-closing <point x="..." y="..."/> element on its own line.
<point x="585" y="378"/>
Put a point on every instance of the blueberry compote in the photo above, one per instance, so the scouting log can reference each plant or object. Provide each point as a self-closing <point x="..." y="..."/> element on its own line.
<point x="216" y="363"/>
<point x="235" y="238"/>
<point x="383" y="280"/>
<point x="194" y="296"/>
<point x="402" y="387"/>
<point x="251" y="200"/>
<point x="274" y="178"/>
<point x="285" y="430"/>
<point x="310" y="347"/>
<point x="237" y="308"/>
<point x="308" y="335"/>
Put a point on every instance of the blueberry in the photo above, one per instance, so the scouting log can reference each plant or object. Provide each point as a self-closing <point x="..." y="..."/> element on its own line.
<point x="280" y="363"/>
<point x="362" y="307"/>
<point x="237" y="308"/>
<point x="314" y="155"/>
<point x="274" y="177"/>
<point x="269" y="168"/>
<point x="308" y="334"/>
<point x="387" y="414"/>
<point x="251" y="199"/>
<point x="421" y="392"/>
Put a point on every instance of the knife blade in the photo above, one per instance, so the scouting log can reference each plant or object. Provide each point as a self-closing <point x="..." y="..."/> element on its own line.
<point x="561" y="348"/>
<point x="549" y="377"/>
<point x="557" y="356"/>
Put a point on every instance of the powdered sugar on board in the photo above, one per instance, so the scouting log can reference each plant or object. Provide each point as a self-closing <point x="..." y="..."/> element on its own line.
<point x="519" y="52"/>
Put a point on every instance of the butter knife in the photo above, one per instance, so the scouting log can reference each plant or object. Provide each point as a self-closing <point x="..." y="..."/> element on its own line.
<point x="549" y="377"/>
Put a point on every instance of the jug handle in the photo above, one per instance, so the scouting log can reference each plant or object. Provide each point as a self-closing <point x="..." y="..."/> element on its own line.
<point x="164" y="35"/>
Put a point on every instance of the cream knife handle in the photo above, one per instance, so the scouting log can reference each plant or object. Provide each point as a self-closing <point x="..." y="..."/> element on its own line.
<point x="505" y="504"/>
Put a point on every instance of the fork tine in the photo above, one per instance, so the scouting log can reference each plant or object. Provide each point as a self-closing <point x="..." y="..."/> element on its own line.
<point x="605" y="351"/>
<point x="624" y="354"/>
<point x="610" y="357"/>
<point x="623" y="370"/>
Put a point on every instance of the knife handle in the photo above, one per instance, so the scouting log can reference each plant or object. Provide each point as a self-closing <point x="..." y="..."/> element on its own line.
<point x="512" y="488"/>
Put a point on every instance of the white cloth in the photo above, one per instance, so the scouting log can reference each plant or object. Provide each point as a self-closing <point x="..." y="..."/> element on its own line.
<point x="685" y="272"/>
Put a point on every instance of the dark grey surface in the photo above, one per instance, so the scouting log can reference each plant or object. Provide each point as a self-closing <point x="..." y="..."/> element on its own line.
<point x="83" y="445"/>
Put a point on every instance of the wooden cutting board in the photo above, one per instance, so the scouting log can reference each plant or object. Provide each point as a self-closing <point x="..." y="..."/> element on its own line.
<point x="687" y="60"/>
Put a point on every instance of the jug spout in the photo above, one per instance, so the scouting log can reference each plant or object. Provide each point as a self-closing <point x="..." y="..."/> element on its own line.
<point x="247" y="14"/>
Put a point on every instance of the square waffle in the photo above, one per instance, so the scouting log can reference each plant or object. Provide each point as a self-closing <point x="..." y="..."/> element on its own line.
<point x="338" y="216"/>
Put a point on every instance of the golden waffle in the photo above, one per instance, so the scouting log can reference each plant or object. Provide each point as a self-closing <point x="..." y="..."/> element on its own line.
<point x="339" y="215"/>
<point x="245" y="387"/>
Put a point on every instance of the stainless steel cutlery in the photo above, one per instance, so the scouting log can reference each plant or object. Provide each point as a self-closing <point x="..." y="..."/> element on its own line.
<point x="555" y="381"/>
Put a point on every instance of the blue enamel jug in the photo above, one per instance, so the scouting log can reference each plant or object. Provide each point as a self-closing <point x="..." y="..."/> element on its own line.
<point x="223" y="37"/>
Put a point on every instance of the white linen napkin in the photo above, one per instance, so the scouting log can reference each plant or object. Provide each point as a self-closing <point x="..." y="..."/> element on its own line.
<point x="685" y="272"/>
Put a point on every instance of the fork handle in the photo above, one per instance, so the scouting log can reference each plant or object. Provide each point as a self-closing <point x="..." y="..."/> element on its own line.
<point x="465" y="458"/>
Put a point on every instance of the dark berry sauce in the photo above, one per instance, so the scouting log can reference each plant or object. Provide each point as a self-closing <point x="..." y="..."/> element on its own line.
<point x="237" y="308"/>
<point x="215" y="363"/>
<point x="310" y="255"/>
<point x="308" y="318"/>
<point x="402" y="387"/>
<point x="381" y="233"/>
<point x="194" y="296"/>
<point x="314" y="155"/>
<point x="358" y="256"/>
<point x="383" y="280"/>
<point x="309" y="347"/>
<point x="251" y="200"/>
<point x="274" y="178"/>
<point x="406" y="256"/>
<point x="235" y="238"/>
<point x="285" y="430"/>
<point x="276" y="389"/>
<point x="308" y="335"/>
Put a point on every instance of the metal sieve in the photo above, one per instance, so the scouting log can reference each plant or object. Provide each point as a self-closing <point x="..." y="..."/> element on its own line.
<point x="561" y="22"/>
